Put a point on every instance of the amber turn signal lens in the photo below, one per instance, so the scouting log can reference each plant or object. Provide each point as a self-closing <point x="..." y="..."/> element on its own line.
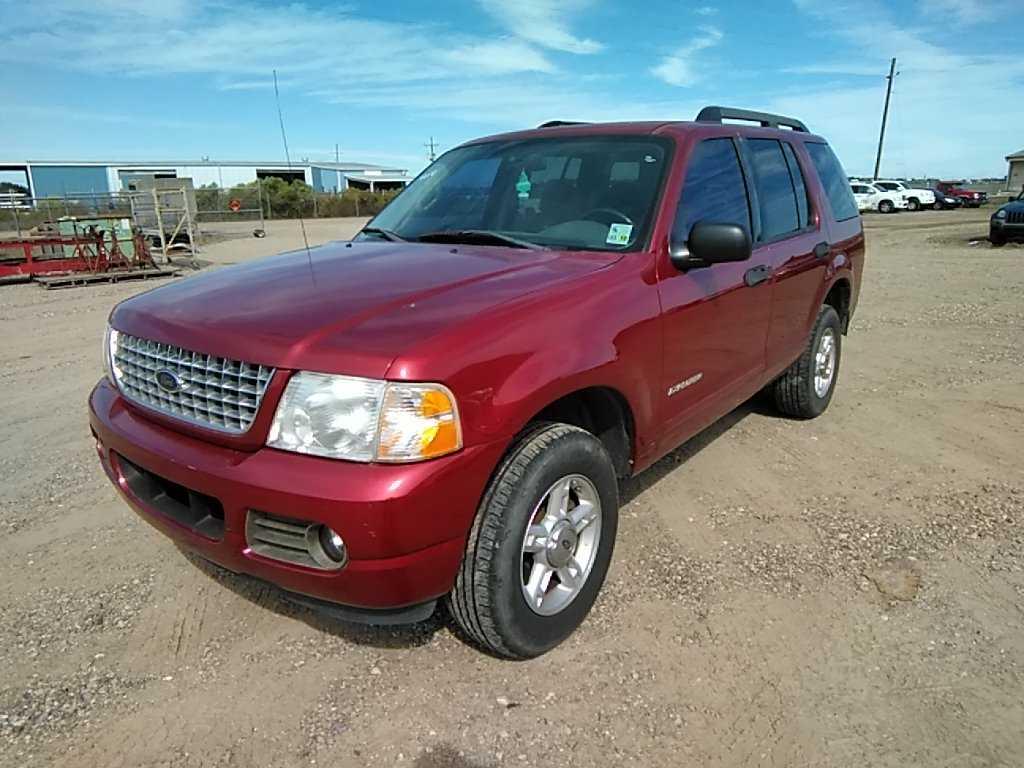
<point x="418" y="421"/>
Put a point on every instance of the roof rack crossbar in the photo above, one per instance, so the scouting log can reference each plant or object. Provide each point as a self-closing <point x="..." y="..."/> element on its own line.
<point x="556" y="123"/>
<point x="766" y="119"/>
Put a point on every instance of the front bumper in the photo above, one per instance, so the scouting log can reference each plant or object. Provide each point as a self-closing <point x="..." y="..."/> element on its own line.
<point x="404" y="525"/>
<point x="1004" y="230"/>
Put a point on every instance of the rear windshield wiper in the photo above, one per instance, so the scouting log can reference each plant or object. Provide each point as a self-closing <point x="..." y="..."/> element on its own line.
<point x="476" y="236"/>
<point x="387" y="234"/>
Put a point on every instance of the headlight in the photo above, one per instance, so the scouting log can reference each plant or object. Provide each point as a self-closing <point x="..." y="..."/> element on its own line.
<point x="1000" y="214"/>
<point x="346" y="417"/>
<point x="110" y="337"/>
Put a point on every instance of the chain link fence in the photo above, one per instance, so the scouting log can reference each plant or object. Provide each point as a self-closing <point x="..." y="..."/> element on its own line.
<point x="274" y="198"/>
<point x="248" y="205"/>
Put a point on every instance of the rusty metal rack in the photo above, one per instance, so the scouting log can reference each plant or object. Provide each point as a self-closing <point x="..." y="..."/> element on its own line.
<point x="89" y="256"/>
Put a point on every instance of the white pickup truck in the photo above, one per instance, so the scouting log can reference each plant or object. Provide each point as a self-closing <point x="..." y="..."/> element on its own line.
<point x="915" y="198"/>
<point x="872" y="198"/>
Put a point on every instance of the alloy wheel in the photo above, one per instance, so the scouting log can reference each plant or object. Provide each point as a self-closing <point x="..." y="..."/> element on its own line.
<point x="560" y="544"/>
<point x="825" y="362"/>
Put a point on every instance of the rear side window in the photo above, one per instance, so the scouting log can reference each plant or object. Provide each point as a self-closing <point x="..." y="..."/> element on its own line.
<point x="833" y="179"/>
<point x="714" y="189"/>
<point x="775" y="195"/>
<point x="803" y="205"/>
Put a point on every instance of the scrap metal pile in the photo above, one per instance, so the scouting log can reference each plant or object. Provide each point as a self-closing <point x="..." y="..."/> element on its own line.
<point x="76" y="251"/>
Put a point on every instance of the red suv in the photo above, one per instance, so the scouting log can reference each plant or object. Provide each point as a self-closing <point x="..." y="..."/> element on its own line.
<point x="444" y="407"/>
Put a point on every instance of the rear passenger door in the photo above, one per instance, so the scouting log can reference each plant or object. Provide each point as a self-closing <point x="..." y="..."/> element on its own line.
<point x="791" y="240"/>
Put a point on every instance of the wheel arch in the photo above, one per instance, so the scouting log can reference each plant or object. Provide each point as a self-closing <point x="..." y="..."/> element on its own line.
<point x="605" y="412"/>
<point x="839" y="296"/>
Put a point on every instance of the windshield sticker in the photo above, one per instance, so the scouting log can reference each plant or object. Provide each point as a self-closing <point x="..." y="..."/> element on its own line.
<point x="618" y="234"/>
<point x="523" y="186"/>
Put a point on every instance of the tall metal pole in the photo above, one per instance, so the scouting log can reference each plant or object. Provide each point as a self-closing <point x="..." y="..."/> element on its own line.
<point x="885" y="115"/>
<point x="431" y="149"/>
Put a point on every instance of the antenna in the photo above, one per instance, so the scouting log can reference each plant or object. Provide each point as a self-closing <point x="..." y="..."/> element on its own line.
<point x="288" y="160"/>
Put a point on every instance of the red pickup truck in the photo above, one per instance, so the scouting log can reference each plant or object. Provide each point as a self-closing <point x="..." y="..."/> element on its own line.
<point x="444" y="407"/>
<point x="970" y="198"/>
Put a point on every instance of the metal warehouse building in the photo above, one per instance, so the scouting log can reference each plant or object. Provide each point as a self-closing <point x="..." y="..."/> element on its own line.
<point x="1015" y="174"/>
<point x="46" y="178"/>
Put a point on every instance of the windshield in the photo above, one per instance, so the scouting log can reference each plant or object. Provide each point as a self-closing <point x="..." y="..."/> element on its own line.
<point x="595" y="193"/>
<point x="887" y="185"/>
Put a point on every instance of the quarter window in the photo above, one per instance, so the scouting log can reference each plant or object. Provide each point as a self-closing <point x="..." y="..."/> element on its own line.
<point x="833" y="179"/>
<point x="714" y="189"/>
<point x="803" y="205"/>
<point x="776" y="197"/>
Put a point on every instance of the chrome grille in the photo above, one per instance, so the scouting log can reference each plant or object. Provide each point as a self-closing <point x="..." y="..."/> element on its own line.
<point x="1015" y="217"/>
<point x="214" y="392"/>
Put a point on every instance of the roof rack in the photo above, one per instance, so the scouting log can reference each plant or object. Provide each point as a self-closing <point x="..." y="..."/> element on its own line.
<point x="557" y="123"/>
<point x="766" y="119"/>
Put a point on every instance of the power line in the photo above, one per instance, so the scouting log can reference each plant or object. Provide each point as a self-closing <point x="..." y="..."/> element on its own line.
<point x="885" y="114"/>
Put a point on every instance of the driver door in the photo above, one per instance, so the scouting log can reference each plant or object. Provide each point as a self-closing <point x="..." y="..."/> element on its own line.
<point x="715" y="319"/>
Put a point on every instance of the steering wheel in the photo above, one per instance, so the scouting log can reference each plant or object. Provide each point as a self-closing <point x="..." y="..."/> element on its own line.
<point x="595" y="215"/>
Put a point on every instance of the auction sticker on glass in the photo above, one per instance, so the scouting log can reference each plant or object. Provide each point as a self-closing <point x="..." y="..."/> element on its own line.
<point x="618" y="234"/>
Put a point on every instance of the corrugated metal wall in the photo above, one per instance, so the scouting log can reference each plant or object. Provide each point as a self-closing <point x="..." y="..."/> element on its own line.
<point x="1016" y="174"/>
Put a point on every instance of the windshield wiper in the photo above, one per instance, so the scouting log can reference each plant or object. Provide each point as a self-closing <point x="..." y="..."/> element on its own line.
<point x="387" y="234"/>
<point x="477" y="236"/>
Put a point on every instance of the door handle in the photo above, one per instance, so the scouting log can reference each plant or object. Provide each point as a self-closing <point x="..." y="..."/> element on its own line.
<point x="822" y="250"/>
<point x="756" y="275"/>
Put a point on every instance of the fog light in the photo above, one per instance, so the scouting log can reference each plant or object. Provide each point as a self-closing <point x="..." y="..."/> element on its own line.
<point x="333" y="545"/>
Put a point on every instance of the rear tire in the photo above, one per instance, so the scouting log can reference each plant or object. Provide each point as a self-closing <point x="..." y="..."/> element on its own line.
<point x="504" y="552"/>
<point x="886" y="206"/>
<point x="805" y="389"/>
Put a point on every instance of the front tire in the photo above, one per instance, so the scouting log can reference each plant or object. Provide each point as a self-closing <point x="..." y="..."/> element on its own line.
<point x="805" y="389"/>
<point x="913" y="204"/>
<point x="540" y="545"/>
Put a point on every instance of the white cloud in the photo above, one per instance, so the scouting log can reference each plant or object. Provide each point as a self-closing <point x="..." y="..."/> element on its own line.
<point x="499" y="57"/>
<point x="705" y="10"/>
<point x="936" y="85"/>
<point x="680" y="68"/>
<point x="967" y="11"/>
<point x="240" y="45"/>
<point x="542" y="22"/>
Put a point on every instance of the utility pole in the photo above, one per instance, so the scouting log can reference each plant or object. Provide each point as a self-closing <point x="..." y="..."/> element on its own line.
<point x="885" y="114"/>
<point x="432" y="148"/>
<point x="337" y="153"/>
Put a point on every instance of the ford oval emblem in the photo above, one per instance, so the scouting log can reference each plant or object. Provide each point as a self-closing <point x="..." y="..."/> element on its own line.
<point x="169" y="381"/>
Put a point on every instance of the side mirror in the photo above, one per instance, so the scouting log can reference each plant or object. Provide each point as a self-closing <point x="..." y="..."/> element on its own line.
<point x="711" y="244"/>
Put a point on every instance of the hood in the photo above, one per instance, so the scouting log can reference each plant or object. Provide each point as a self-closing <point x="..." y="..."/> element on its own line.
<point x="1013" y="205"/>
<point x="343" y="307"/>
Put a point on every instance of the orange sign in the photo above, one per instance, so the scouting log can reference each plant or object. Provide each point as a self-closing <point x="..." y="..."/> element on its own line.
<point x="235" y="205"/>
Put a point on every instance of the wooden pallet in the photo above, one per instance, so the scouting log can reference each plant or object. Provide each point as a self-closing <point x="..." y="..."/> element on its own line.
<point x="87" y="278"/>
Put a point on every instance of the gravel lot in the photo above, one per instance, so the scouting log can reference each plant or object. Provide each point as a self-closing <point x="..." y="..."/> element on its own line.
<point x="842" y="592"/>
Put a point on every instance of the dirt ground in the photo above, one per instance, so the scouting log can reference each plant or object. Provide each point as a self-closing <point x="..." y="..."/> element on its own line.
<point x="842" y="592"/>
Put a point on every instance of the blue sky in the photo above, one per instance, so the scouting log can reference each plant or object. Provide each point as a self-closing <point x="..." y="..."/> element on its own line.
<point x="127" y="79"/>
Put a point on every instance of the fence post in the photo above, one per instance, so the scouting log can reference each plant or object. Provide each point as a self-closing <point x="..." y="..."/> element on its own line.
<point x="17" y="221"/>
<point x="160" y="226"/>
